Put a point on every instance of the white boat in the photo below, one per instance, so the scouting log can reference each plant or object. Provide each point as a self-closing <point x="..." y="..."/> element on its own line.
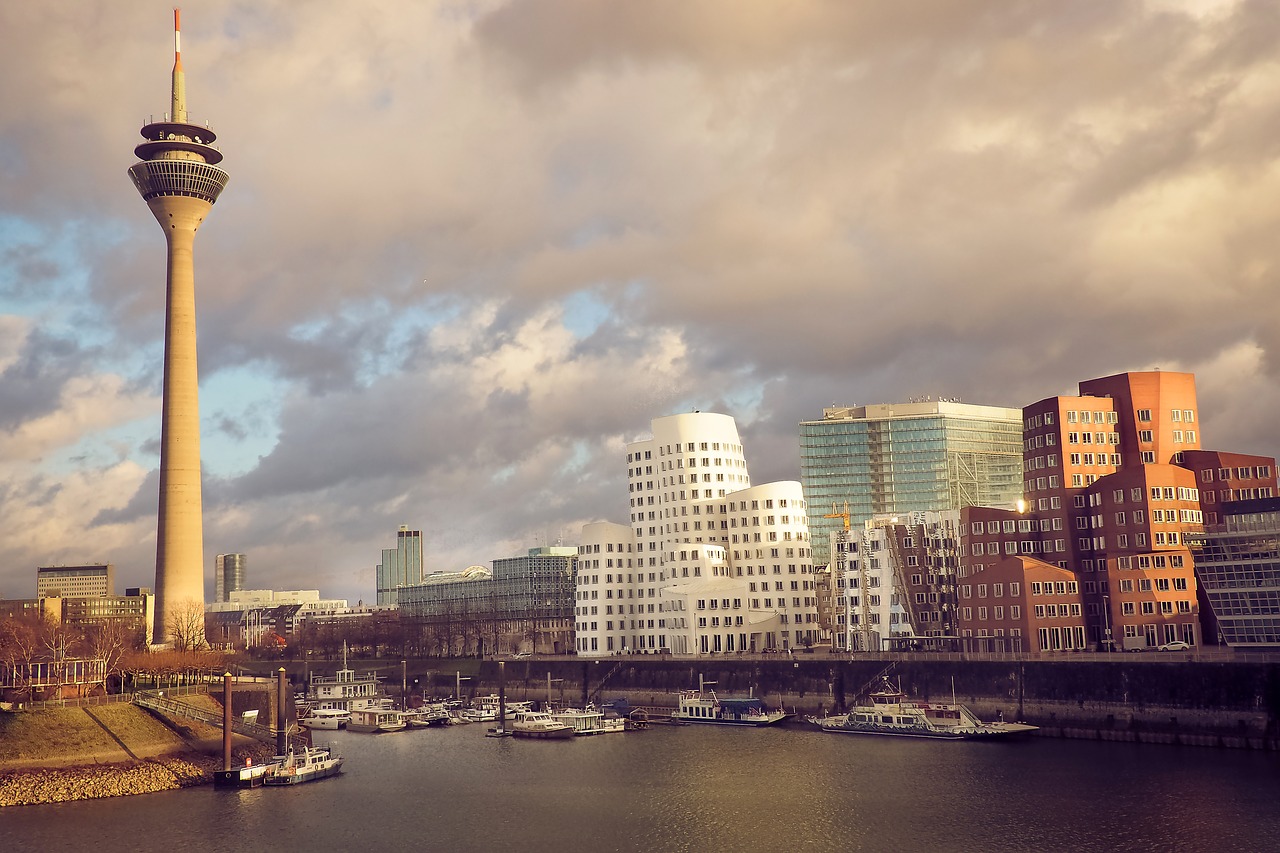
<point x="325" y="718"/>
<point x="589" y="721"/>
<point x="891" y="713"/>
<point x="377" y="720"/>
<point x="305" y="765"/>
<point x="539" y="724"/>
<point x="481" y="714"/>
<point x="703" y="706"/>
<point x="431" y="714"/>
<point x="515" y="709"/>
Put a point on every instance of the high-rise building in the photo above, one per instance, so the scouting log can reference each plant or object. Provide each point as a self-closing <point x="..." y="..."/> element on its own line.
<point x="179" y="179"/>
<point x="228" y="575"/>
<point x="708" y="564"/>
<point x="898" y="458"/>
<point x="400" y="566"/>
<point x="75" y="581"/>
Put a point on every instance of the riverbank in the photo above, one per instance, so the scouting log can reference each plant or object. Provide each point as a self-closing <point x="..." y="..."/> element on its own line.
<point x="64" y="754"/>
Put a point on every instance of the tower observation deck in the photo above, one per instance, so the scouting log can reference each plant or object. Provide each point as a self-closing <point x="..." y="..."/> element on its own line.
<point x="179" y="178"/>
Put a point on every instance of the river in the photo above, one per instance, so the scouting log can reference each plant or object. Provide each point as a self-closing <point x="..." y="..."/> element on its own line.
<point x="694" y="788"/>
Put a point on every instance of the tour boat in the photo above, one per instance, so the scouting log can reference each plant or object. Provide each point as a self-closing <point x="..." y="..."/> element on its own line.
<point x="306" y="764"/>
<point x="589" y="721"/>
<point x="325" y="718"/>
<point x="891" y="713"/>
<point x="703" y="706"/>
<point x="539" y="724"/>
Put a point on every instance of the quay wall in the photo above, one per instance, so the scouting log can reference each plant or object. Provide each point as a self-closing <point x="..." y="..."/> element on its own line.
<point x="1229" y="702"/>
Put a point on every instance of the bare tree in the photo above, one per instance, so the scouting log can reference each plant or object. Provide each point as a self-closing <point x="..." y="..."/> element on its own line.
<point x="186" y="627"/>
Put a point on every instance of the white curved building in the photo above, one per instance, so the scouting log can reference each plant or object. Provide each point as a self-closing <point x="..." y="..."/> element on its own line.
<point x="708" y="564"/>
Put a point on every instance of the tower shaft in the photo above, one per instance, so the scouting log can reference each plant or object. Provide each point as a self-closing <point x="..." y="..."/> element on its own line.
<point x="180" y="180"/>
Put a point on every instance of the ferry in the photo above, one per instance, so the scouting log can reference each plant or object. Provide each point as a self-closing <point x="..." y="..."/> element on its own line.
<point x="892" y="713"/>
<point x="703" y="706"/>
<point x="304" y="765"/>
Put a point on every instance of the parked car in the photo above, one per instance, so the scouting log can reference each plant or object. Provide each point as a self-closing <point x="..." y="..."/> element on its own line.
<point x="1175" y="646"/>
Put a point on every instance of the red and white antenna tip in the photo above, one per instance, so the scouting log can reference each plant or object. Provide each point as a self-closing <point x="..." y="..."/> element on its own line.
<point x="177" y="32"/>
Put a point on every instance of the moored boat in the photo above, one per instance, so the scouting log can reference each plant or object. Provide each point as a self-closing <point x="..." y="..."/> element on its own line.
<point x="586" y="722"/>
<point x="703" y="706"/>
<point x="891" y="713"/>
<point x="325" y="718"/>
<point x="377" y="720"/>
<point x="304" y="764"/>
<point x="249" y="776"/>
<point x="539" y="724"/>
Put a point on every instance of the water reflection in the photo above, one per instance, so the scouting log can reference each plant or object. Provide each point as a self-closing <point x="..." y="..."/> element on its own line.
<point x="699" y="789"/>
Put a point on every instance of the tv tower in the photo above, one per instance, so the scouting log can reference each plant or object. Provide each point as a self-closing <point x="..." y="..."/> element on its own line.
<point x="179" y="178"/>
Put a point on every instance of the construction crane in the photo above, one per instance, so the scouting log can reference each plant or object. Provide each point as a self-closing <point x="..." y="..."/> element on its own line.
<point x="842" y="539"/>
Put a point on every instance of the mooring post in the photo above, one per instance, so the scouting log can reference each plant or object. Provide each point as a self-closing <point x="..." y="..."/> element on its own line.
<point x="226" y="721"/>
<point x="282" y="722"/>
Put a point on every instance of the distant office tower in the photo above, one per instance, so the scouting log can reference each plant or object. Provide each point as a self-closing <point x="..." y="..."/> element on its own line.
<point x="401" y="566"/>
<point x="906" y="457"/>
<point x="708" y="564"/>
<point x="75" y="581"/>
<point x="228" y="575"/>
<point x="179" y="179"/>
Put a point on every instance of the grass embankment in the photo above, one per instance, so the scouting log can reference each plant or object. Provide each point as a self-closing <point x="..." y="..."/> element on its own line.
<point x="60" y="754"/>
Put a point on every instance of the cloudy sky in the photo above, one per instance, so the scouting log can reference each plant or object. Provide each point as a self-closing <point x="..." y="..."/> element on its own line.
<point x="469" y="249"/>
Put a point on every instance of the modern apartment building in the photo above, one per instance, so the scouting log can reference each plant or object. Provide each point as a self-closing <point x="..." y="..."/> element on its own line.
<point x="898" y="458"/>
<point x="229" y="575"/>
<point x="75" y="581"/>
<point x="893" y="582"/>
<point x="400" y="566"/>
<point x="708" y="563"/>
<point x="1113" y="483"/>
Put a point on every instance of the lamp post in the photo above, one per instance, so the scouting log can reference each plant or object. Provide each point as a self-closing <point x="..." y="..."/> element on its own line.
<point x="1106" y="619"/>
<point x="404" y="685"/>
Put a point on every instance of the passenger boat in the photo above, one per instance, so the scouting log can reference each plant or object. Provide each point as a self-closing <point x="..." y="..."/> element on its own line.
<point x="377" y="720"/>
<point x="305" y="764"/>
<point x="586" y="722"/>
<point x="891" y="713"/>
<point x="344" y="690"/>
<point x="703" y="706"/>
<point x="325" y="718"/>
<point x="539" y="724"/>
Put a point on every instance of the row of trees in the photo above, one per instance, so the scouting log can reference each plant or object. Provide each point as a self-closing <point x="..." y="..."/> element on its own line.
<point x="31" y="639"/>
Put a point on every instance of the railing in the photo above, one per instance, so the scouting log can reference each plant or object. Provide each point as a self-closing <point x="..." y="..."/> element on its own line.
<point x="154" y="701"/>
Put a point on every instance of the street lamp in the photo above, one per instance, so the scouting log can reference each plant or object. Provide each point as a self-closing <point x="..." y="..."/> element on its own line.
<point x="1106" y="618"/>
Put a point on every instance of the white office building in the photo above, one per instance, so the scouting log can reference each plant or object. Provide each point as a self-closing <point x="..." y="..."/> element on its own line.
<point x="708" y="564"/>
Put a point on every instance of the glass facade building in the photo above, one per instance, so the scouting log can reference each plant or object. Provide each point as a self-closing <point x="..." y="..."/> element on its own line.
<point x="525" y="602"/>
<point x="906" y="457"/>
<point x="1238" y="569"/>
<point x="228" y="575"/>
